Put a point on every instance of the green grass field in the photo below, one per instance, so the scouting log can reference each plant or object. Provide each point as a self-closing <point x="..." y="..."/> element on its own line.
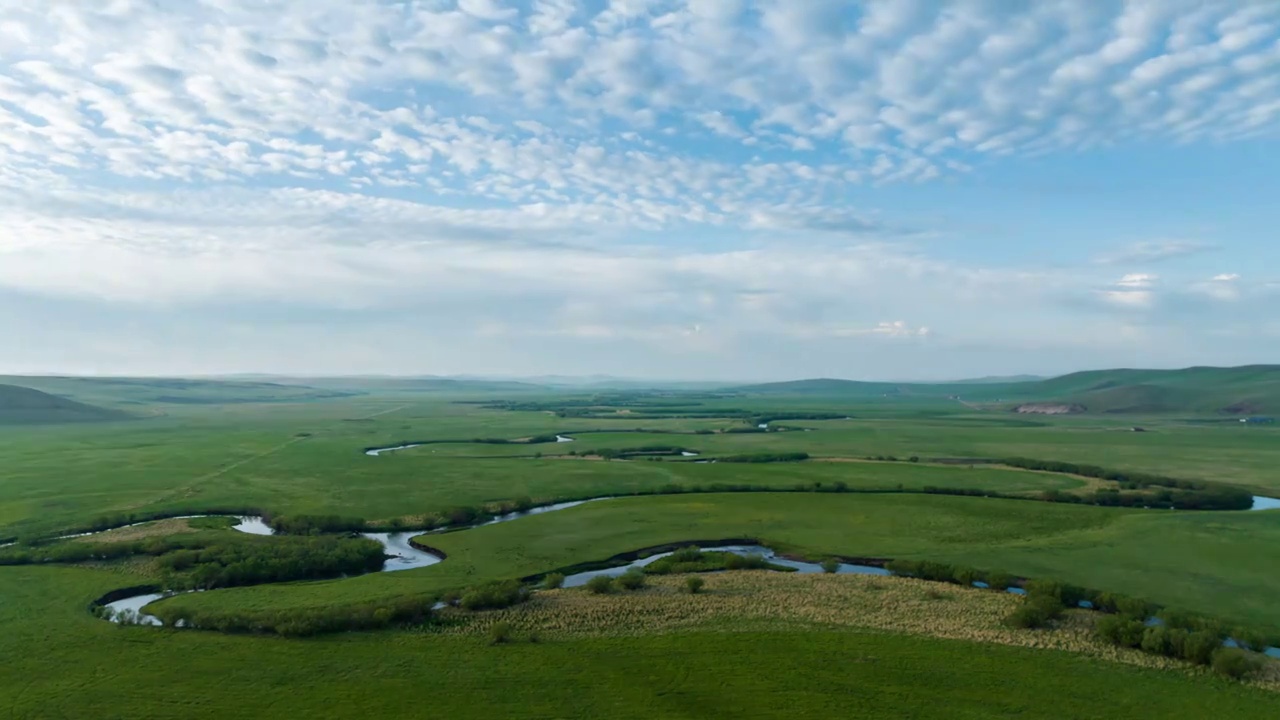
<point x="60" y="662"/>
<point x="302" y="453"/>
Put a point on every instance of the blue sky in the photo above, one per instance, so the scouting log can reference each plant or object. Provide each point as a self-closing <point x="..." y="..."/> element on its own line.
<point x="651" y="188"/>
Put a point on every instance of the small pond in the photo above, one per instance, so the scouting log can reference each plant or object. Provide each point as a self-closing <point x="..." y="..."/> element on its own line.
<point x="1265" y="503"/>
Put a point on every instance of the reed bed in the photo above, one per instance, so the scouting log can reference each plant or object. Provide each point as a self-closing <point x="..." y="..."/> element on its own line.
<point x="754" y="601"/>
<point x="158" y="528"/>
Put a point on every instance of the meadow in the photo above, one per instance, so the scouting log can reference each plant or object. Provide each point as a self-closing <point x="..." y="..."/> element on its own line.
<point x="289" y="457"/>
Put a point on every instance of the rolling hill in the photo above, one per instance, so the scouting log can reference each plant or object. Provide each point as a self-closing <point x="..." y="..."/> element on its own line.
<point x="24" y="406"/>
<point x="1243" y="391"/>
<point x="125" y="391"/>
<point x="1237" y="391"/>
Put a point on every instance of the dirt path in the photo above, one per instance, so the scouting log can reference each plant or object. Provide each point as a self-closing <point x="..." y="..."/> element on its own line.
<point x="190" y="489"/>
<point x="280" y="447"/>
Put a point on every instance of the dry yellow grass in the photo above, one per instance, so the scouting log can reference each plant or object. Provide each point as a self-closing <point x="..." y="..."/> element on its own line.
<point x="737" y="601"/>
<point x="159" y="528"/>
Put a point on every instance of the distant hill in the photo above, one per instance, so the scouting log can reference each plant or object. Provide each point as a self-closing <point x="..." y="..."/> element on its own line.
<point x="120" y="391"/>
<point x="25" y="406"/>
<point x="1000" y="380"/>
<point x="1238" y="391"/>
<point x="427" y="384"/>
<point x="822" y="386"/>
<point x="1243" y="391"/>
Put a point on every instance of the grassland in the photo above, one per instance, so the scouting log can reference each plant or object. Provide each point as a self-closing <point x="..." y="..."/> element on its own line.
<point x="60" y="662"/>
<point x="306" y="457"/>
<point x="302" y="453"/>
<point x="754" y="600"/>
<point x="1220" y="564"/>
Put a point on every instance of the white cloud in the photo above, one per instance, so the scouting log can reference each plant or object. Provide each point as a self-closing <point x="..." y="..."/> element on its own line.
<point x="551" y="159"/>
<point x="1136" y="280"/>
<point x="1154" y="251"/>
<point x="1225" y="287"/>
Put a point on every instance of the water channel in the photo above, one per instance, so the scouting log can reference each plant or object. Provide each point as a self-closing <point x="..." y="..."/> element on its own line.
<point x="402" y="555"/>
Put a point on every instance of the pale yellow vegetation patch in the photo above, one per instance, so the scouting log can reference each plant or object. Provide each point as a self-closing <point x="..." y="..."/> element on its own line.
<point x="159" y="528"/>
<point x="750" y="601"/>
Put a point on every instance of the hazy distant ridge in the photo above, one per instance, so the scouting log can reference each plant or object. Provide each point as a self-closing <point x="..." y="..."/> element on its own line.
<point x="1243" y="391"/>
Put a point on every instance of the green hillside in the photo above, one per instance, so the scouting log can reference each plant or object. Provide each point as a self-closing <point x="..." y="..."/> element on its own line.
<point x="1238" y="391"/>
<point x="1243" y="391"/>
<point x="24" y="406"/>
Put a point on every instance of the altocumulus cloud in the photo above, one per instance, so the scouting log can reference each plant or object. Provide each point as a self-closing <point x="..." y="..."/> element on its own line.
<point x="655" y="188"/>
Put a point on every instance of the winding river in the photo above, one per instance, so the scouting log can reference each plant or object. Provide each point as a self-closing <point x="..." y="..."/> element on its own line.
<point x="579" y="579"/>
<point x="401" y="554"/>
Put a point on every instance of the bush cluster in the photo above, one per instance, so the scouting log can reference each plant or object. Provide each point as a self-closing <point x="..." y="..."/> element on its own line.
<point x="303" y="622"/>
<point x="314" y="524"/>
<point x="766" y="458"/>
<point x="632" y="579"/>
<point x="600" y="585"/>
<point x="494" y="596"/>
<point x="1036" y="611"/>
<point x="1182" y="636"/>
<point x="239" y="563"/>
<point x="1172" y="493"/>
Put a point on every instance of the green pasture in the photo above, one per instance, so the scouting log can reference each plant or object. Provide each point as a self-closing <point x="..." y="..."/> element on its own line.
<point x="1220" y="564"/>
<point x="61" y="662"/>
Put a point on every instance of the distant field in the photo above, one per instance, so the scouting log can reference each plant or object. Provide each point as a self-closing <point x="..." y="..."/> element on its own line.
<point x="306" y="457"/>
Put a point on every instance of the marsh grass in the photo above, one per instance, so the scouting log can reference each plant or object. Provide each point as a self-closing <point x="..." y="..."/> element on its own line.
<point x="742" y="602"/>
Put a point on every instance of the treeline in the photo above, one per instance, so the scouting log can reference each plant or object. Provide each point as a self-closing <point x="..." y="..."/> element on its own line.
<point x="1131" y="622"/>
<point x="314" y="524"/>
<point x="765" y="458"/>
<point x="627" y="453"/>
<point x="1172" y="492"/>
<point x="196" y="563"/>
<point x="1218" y="498"/>
<point x="373" y="615"/>
<point x="1130" y="480"/>
<point x="535" y="440"/>
<point x="303" y="622"/>
<point x="1197" y="640"/>
<point x="286" y="559"/>
<point x="76" y="552"/>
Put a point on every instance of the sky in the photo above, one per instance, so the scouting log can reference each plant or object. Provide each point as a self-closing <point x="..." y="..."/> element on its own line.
<point x="710" y="189"/>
